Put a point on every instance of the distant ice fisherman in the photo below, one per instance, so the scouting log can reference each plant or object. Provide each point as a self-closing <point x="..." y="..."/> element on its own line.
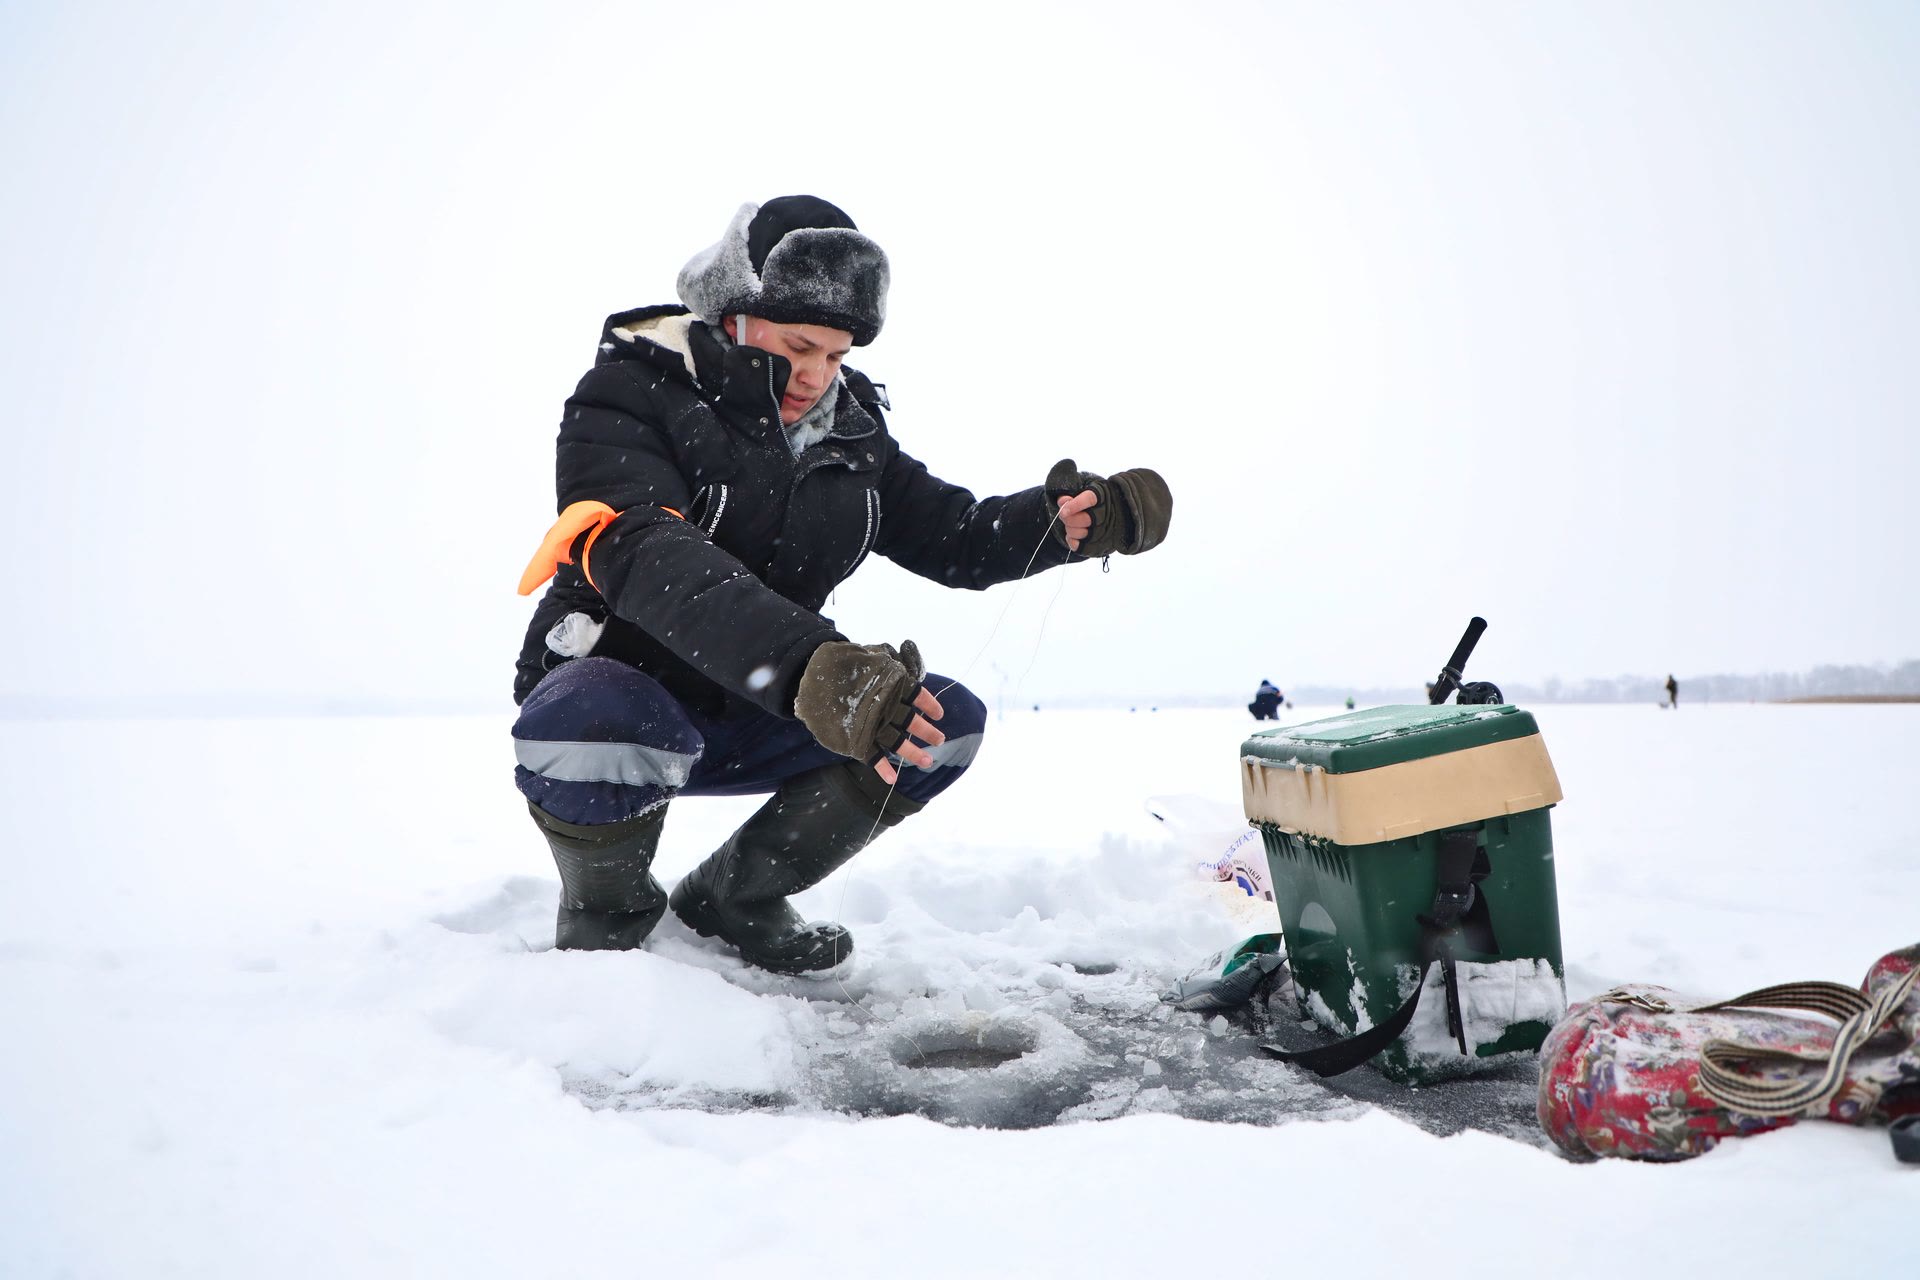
<point x="1266" y="702"/>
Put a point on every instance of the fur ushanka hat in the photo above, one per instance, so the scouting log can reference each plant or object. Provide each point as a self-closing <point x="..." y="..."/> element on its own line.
<point x="792" y="260"/>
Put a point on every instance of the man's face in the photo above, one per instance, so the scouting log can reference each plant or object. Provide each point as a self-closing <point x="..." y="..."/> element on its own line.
<point x="814" y="351"/>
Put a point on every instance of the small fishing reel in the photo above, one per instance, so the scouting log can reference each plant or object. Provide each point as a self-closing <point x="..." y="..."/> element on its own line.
<point x="1480" y="693"/>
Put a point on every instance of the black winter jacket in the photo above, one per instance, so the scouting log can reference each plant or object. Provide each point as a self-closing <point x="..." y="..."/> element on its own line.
<point x="726" y="546"/>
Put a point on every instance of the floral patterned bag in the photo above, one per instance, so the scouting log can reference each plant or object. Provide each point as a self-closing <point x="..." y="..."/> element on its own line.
<point x="1637" y="1073"/>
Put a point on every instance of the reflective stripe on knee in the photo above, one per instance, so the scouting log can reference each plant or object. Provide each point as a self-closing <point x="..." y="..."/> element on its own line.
<point x="623" y="762"/>
<point x="955" y="753"/>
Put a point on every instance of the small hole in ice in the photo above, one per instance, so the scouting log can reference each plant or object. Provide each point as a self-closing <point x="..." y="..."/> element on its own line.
<point x="963" y="1047"/>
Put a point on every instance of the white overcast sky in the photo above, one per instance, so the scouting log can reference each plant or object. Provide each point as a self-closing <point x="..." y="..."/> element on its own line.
<point x="1598" y="320"/>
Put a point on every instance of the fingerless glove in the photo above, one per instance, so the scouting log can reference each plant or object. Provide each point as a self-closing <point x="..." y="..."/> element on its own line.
<point x="857" y="699"/>
<point x="1131" y="511"/>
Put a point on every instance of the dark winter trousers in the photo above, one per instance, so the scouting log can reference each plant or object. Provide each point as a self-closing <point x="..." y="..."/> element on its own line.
<point x="599" y="741"/>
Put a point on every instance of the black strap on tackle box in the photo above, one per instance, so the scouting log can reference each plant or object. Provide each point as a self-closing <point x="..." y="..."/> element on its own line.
<point x="1459" y="912"/>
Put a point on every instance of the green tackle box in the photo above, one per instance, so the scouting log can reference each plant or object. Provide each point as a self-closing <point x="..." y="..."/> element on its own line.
<point x="1354" y="812"/>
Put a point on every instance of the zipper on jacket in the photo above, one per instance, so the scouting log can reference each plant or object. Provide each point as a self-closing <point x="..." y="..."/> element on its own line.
<point x="717" y="507"/>
<point x="873" y="530"/>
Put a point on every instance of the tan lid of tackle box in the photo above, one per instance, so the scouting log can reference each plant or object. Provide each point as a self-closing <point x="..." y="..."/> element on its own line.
<point x="1396" y="771"/>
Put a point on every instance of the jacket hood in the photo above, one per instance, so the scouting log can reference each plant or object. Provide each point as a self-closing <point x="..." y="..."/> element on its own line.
<point x="659" y="335"/>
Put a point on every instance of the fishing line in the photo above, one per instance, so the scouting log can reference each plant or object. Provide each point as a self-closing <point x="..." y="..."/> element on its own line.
<point x="1041" y="634"/>
<point x="846" y="881"/>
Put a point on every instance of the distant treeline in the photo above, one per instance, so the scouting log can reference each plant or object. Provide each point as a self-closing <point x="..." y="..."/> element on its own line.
<point x="1821" y="682"/>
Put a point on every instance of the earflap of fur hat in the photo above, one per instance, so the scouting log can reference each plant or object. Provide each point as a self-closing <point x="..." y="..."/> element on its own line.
<point x="720" y="280"/>
<point x="815" y="268"/>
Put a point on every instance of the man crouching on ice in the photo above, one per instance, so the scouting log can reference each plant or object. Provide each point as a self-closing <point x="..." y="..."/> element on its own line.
<point x="720" y="472"/>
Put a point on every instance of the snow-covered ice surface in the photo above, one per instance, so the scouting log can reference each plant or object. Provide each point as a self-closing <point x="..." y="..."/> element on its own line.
<point x="278" y="997"/>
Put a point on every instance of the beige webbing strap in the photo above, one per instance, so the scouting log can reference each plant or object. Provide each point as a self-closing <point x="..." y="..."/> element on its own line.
<point x="1737" y="1091"/>
<point x="1829" y="998"/>
<point x="1859" y="1018"/>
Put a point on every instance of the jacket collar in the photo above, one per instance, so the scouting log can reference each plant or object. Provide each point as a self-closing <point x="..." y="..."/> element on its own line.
<point x="657" y="335"/>
<point x="746" y="380"/>
<point x="754" y="380"/>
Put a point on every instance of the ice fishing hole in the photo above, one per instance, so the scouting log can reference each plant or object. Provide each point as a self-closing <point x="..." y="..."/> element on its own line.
<point x="1091" y="968"/>
<point x="963" y="1047"/>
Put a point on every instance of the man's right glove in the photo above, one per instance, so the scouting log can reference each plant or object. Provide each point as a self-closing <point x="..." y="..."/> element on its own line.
<point x="1131" y="512"/>
<point x="857" y="699"/>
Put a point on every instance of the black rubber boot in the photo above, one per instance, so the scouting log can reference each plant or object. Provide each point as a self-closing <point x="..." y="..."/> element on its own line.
<point x="808" y="830"/>
<point x="609" y="900"/>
